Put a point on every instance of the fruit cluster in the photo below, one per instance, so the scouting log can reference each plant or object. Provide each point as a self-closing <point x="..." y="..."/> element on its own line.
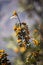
<point x="22" y="33"/>
<point x="3" y="58"/>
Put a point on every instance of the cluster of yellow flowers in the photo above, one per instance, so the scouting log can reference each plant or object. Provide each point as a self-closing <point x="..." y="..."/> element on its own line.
<point x="1" y="53"/>
<point x="3" y="58"/>
<point x="36" y="42"/>
<point x="32" y="57"/>
<point x="23" y="35"/>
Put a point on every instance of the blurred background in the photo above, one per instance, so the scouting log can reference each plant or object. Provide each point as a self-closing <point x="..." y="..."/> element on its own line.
<point x="29" y="11"/>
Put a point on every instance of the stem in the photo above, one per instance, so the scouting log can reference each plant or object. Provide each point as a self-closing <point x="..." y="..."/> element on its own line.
<point x="19" y="19"/>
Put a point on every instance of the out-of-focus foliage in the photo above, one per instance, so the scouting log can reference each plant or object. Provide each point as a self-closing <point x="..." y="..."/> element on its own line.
<point x="3" y="58"/>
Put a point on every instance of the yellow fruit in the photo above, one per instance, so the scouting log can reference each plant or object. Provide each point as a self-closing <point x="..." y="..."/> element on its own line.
<point x="19" y="28"/>
<point x="17" y="32"/>
<point x="14" y="13"/>
<point x="24" y="43"/>
<point x="35" y="42"/>
<point x="19" y="40"/>
<point x="15" y="28"/>
<point x="22" y="49"/>
<point x="16" y="50"/>
<point x="0" y="56"/>
<point x="2" y="51"/>
<point x="35" y="30"/>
